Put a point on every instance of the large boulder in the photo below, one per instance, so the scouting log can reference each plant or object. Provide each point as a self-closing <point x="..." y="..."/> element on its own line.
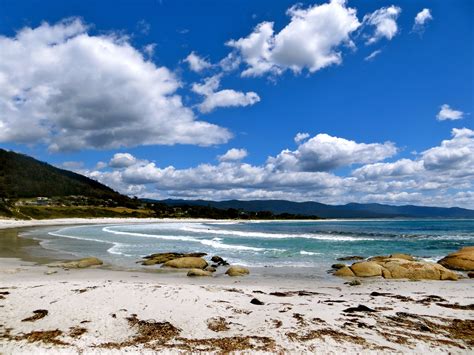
<point x="187" y="262"/>
<point x="462" y="260"/>
<point x="161" y="258"/>
<point x="344" y="272"/>
<point x="237" y="271"/>
<point x="366" y="269"/>
<point x="199" y="272"/>
<point x="81" y="263"/>
<point x="398" y="268"/>
<point x="413" y="270"/>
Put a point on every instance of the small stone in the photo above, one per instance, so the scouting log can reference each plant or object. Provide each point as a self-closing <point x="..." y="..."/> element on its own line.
<point x="257" y="302"/>
<point x="354" y="283"/>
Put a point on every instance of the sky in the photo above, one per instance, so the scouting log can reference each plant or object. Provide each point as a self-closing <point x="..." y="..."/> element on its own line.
<point x="331" y="101"/>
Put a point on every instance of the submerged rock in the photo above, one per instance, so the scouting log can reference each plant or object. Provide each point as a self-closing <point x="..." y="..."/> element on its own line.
<point x="337" y="266"/>
<point x="187" y="262"/>
<point x="352" y="257"/>
<point x="219" y="261"/>
<point x="237" y="271"/>
<point x="462" y="259"/>
<point x="199" y="272"/>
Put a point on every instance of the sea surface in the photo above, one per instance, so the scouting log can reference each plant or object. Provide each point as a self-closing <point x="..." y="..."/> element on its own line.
<point x="275" y="244"/>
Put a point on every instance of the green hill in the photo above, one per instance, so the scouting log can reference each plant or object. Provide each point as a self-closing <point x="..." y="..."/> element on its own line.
<point x="24" y="177"/>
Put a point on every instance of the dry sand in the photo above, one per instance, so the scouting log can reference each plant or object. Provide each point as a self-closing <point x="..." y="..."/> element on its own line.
<point x="105" y="311"/>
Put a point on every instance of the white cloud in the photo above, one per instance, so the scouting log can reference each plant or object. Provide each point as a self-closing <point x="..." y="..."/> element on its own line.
<point x="222" y="98"/>
<point x="310" y="40"/>
<point x="122" y="160"/>
<point x="455" y="154"/>
<point x="372" y="55"/>
<point x="439" y="176"/>
<point x="301" y="137"/>
<point x="421" y="19"/>
<point x="385" y="22"/>
<point x="324" y="152"/>
<point x="233" y="155"/>
<point x="149" y="49"/>
<point x="197" y="63"/>
<point x="79" y="91"/>
<point x="447" y="113"/>
<point x="402" y="167"/>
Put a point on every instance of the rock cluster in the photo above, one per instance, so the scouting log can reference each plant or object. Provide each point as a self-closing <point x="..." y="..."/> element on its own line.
<point x="195" y="262"/>
<point x="397" y="266"/>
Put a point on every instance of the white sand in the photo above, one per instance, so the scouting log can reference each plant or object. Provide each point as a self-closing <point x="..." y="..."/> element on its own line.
<point x="6" y="223"/>
<point x="101" y="300"/>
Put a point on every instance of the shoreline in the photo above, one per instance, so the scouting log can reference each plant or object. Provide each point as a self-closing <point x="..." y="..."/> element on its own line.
<point x="104" y="310"/>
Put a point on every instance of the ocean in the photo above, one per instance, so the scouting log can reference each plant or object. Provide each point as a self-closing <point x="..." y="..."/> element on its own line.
<point x="258" y="244"/>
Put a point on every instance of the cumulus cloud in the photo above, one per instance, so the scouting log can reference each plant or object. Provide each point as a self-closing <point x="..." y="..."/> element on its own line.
<point x="421" y="19"/>
<point x="447" y="113"/>
<point x="455" y="154"/>
<point x="301" y="137"/>
<point x="324" y="152"/>
<point x="311" y="40"/>
<point x="385" y="22"/>
<point x="402" y="167"/>
<point x="197" y="63"/>
<point x="438" y="176"/>
<point x="222" y="98"/>
<point x="233" y="154"/>
<point x="76" y="91"/>
<point x="122" y="160"/>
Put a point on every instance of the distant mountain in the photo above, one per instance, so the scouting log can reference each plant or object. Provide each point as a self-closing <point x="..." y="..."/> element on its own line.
<point x="351" y="210"/>
<point x="23" y="177"/>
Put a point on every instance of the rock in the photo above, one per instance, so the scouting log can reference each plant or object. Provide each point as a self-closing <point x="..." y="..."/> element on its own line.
<point x="359" y="308"/>
<point x="257" y="302"/>
<point x="161" y="258"/>
<point x="344" y="272"/>
<point x="352" y="257"/>
<point x="199" y="272"/>
<point x="210" y="269"/>
<point x="51" y="272"/>
<point x="413" y="270"/>
<point x="462" y="260"/>
<point x="393" y="256"/>
<point x="81" y="263"/>
<point x="237" y="271"/>
<point x="470" y="275"/>
<point x="398" y="268"/>
<point x="402" y="256"/>
<point x="366" y="269"/>
<point x="218" y="260"/>
<point x="354" y="283"/>
<point x="187" y="262"/>
<point x="337" y="266"/>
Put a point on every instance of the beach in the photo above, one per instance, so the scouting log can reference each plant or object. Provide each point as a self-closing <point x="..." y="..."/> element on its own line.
<point x="108" y="310"/>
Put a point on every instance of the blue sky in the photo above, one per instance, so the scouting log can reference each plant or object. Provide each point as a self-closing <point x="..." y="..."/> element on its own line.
<point x="374" y="127"/>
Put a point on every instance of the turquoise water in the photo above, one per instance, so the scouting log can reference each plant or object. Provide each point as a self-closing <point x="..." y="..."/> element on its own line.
<point x="271" y="244"/>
